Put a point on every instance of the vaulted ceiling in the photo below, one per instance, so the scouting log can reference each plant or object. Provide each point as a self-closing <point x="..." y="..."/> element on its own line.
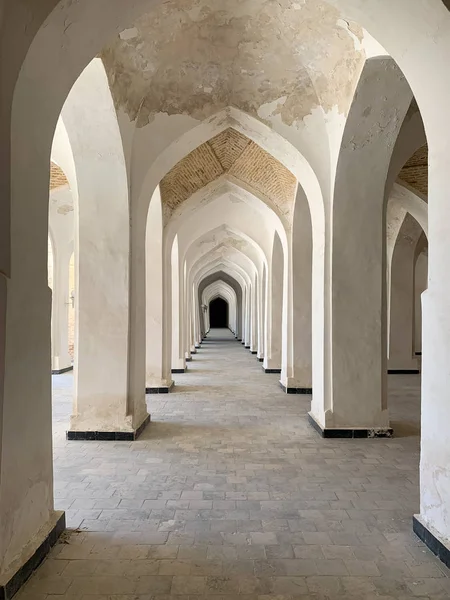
<point x="229" y="152"/>
<point x="57" y="177"/>
<point x="195" y="57"/>
<point x="415" y="171"/>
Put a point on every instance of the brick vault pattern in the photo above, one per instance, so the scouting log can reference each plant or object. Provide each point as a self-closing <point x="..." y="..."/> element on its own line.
<point x="57" y="177"/>
<point x="230" y="494"/>
<point x="415" y="171"/>
<point x="233" y="153"/>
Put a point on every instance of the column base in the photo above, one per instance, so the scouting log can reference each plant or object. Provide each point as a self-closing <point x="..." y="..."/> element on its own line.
<point x="61" y="371"/>
<point x="14" y="578"/>
<point x="403" y="371"/>
<point x="432" y="540"/>
<point x="270" y="371"/>
<point x="254" y="351"/>
<point x="162" y="389"/>
<point x="178" y="370"/>
<point x="260" y="358"/>
<point x="197" y="346"/>
<point x="358" y="432"/>
<point x="247" y="347"/>
<point x="108" y="436"/>
<point x="188" y="358"/>
<point x="295" y="390"/>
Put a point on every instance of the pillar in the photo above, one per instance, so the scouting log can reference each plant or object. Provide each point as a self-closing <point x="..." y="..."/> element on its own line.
<point x="61" y="359"/>
<point x="296" y="373"/>
<point x="254" y="315"/>
<point x="274" y="303"/>
<point x="105" y="406"/>
<point x="354" y="402"/>
<point x="401" y="334"/>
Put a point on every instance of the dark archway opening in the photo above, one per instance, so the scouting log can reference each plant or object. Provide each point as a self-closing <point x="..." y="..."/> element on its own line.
<point x="218" y="313"/>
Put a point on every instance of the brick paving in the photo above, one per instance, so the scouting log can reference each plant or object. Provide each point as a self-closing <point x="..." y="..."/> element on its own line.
<point x="230" y="494"/>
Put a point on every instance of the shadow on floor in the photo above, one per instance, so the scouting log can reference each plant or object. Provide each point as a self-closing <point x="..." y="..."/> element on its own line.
<point x="403" y="429"/>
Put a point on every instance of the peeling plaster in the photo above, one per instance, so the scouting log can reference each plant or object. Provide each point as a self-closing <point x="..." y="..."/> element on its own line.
<point x="195" y="58"/>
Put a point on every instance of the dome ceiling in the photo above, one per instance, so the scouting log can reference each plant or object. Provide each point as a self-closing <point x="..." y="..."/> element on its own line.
<point x="234" y="154"/>
<point x="415" y="171"/>
<point x="195" y="57"/>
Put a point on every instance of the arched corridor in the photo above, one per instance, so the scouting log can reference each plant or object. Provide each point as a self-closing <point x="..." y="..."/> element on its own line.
<point x="232" y="494"/>
<point x="224" y="258"/>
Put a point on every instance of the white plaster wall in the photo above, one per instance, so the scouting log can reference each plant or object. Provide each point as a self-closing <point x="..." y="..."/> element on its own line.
<point x="420" y="285"/>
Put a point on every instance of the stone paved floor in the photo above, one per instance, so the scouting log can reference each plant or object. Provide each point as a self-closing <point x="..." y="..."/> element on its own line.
<point x="230" y="494"/>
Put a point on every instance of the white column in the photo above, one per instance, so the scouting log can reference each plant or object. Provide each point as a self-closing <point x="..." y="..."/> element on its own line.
<point x="254" y="317"/>
<point x="262" y="314"/>
<point x="154" y="377"/>
<point x="420" y="285"/>
<point x="296" y="371"/>
<point x="355" y="374"/>
<point x="272" y="356"/>
<point x="178" y="358"/>
<point x="104" y="400"/>
<point x="435" y="406"/>
<point x="401" y="340"/>
<point x="61" y="359"/>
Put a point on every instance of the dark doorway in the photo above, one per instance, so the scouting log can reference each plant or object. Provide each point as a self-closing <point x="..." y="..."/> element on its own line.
<point x="218" y="313"/>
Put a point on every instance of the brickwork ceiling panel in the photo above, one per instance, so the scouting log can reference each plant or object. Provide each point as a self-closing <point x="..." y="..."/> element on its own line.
<point x="228" y="152"/>
<point x="266" y="174"/>
<point x="228" y="147"/>
<point x="415" y="171"/>
<point x="57" y="177"/>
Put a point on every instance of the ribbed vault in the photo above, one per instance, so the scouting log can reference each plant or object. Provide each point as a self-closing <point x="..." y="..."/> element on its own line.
<point x="229" y="152"/>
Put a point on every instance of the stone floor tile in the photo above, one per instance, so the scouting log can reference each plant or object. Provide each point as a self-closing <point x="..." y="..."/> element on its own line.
<point x="232" y="494"/>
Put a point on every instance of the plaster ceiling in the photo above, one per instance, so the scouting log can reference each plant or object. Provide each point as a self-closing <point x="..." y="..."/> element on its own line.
<point x="196" y="57"/>
<point x="231" y="153"/>
<point x="57" y="177"/>
<point x="415" y="171"/>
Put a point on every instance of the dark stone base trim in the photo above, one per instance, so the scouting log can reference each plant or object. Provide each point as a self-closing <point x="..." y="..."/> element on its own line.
<point x="159" y="390"/>
<point x="61" y="371"/>
<point x="108" y="436"/>
<point x="431" y="540"/>
<point x="239" y="339"/>
<point x="403" y="371"/>
<point x="260" y="359"/>
<point x="418" y="353"/>
<point x="8" y="590"/>
<point x="254" y="351"/>
<point x="188" y="359"/>
<point x="247" y="347"/>
<point x="178" y="370"/>
<point x="295" y="390"/>
<point x="271" y="371"/>
<point x="350" y="433"/>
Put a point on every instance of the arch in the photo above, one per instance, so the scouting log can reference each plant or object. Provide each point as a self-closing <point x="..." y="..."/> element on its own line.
<point x="102" y="178"/>
<point x="223" y="307"/>
<point x="357" y="239"/>
<point x="234" y="285"/>
<point x="401" y="353"/>
<point x="220" y="288"/>
<point x="53" y="60"/>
